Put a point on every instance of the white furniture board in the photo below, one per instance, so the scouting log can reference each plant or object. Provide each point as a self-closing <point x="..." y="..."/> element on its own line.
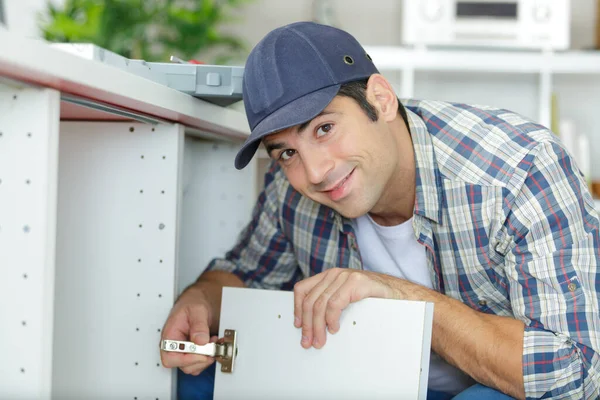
<point x="381" y="350"/>
<point x="116" y="272"/>
<point x="28" y="183"/>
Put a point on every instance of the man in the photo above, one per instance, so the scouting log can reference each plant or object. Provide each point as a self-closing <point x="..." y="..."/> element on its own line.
<point x="477" y="210"/>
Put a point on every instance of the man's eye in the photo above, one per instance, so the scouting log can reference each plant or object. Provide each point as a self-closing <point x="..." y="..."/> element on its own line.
<point x="287" y="154"/>
<point x="324" y="129"/>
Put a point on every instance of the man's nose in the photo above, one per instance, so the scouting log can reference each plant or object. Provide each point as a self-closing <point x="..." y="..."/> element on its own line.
<point x="317" y="164"/>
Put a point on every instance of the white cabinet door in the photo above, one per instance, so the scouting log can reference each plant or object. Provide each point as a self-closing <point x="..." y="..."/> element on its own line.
<point x="381" y="350"/>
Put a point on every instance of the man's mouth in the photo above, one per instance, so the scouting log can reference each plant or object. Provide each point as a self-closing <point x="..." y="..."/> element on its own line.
<point x="343" y="181"/>
<point x="339" y="190"/>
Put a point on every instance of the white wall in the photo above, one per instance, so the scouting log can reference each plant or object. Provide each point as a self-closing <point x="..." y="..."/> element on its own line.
<point x="22" y="15"/>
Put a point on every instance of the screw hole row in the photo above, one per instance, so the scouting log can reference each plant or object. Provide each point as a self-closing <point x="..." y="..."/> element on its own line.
<point x="161" y="226"/>
<point x="29" y="134"/>
<point x="27" y="181"/>
<point x="142" y="191"/>
<point x="131" y="129"/>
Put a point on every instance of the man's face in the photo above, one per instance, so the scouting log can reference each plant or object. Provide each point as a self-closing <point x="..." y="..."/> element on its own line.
<point x="341" y="158"/>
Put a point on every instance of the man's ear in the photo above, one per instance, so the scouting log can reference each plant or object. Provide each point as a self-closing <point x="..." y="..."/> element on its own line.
<point x="381" y="94"/>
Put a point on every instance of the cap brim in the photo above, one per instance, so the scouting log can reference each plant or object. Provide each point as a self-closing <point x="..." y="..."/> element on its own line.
<point x="294" y="113"/>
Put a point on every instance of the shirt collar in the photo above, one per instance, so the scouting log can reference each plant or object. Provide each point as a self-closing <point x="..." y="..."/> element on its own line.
<point x="428" y="191"/>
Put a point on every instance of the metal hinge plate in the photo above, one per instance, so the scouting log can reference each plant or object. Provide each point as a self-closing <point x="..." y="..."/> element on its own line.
<point x="223" y="350"/>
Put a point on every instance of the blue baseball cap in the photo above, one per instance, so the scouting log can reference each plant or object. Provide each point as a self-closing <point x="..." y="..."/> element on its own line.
<point x="292" y="74"/>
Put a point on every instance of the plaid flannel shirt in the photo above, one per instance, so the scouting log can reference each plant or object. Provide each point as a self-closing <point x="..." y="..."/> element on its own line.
<point x="509" y="227"/>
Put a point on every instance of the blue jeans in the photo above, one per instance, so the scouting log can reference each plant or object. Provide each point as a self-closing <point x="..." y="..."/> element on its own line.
<point x="201" y="388"/>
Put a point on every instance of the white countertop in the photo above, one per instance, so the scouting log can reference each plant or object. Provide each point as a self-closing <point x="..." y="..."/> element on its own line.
<point x="36" y="62"/>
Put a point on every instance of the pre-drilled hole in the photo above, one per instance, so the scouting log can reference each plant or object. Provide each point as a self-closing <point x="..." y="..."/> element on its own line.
<point x="131" y="129"/>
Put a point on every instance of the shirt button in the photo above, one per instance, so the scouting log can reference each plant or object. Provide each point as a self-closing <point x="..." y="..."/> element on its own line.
<point x="482" y="303"/>
<point x="572" y="287"/>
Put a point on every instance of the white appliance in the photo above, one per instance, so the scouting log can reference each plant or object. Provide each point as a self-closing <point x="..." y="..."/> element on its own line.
<point x="521" y="24"/>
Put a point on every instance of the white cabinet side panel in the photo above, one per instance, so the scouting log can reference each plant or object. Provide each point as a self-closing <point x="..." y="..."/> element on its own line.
<point x="217" y="204"/>
<point x="29" y="120"/>
<point x="116" y="258"/>
<point x="378" y="353"/>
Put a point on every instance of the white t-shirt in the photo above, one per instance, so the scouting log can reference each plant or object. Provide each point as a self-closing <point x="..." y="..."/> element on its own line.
<point x="394" y="250"/>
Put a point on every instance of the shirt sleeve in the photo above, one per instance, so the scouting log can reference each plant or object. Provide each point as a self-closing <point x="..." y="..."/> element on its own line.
<point x="263" y="256"/>
<point x="553" y="268"/>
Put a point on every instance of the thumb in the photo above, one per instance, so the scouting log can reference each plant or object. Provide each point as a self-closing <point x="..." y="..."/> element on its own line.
<point x="199" y="330"/>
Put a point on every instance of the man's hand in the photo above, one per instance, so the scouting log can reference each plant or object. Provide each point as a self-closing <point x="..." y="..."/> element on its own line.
<point x="188" y="321"/>
<point x="320" y="299"/>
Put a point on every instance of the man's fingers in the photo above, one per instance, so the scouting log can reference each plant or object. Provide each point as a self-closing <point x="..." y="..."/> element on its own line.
<point x="301" y="290"/>
<point x="176" y="327"/>
<point x="337" y="303"/>
<point x="308" y="308"/>
<point x="171" y="359"/>
<point x="321" y="305"/>
<point x="196" y="369"/>
<point x="352" y="290"/>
